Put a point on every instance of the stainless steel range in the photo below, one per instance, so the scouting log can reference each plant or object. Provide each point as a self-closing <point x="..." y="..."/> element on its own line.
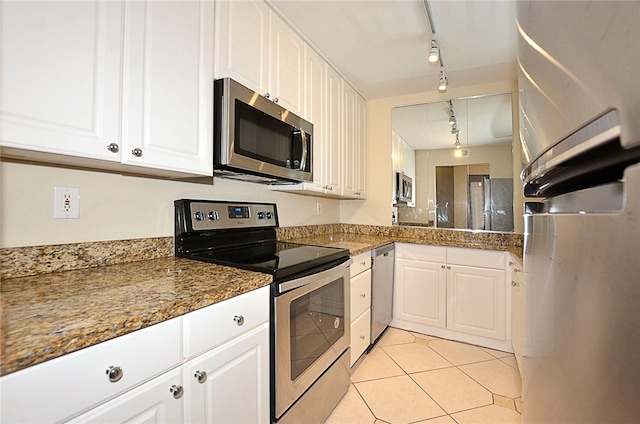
<point x="310" y="329"/>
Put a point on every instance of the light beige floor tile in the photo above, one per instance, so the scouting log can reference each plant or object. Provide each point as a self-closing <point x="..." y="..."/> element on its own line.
<point x="496" y="353"/>
<point x="511" y="361"/>
<point x="423" y="336"/>
<point x="519" y="405"/>
<point x="459" y="353"/>
<point x="504" y="401"/>
<point x="398" y="400"/>
<point x="377" y="364"/>
<point x="415" y="357"/>
<point x="496" y="376"/>
<point x="445" y="419"/>
<point x="453" y="390"/>
<point x="491" y="414"/>
<point x="351" y="409"/>
<point x="395" y="336"/>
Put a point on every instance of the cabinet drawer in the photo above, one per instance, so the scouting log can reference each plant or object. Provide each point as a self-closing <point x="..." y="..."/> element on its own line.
<point x="360" y="293"/>
<point x="63" y="387"/>
<point x="361" y="263"/>
<point x="476" y="257"/>
<point x="360" y="335"/>
<point x="421" y="252"/>
<point x="209" y="327"/>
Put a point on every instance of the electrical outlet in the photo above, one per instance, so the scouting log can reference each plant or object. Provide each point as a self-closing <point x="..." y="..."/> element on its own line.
<point x="318" y="208"/>
<point x="66" y="202"/>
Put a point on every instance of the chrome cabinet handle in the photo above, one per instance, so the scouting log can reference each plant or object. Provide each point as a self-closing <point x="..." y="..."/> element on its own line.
<point x="137" y="152"/>
<point x="516" y="270"/>
<point x="267" y="95"/>
<point x="176" y="391"/>
<point x="514" y="284"/>
<point x="442" y="266"/>
<point x="201" y="376"/>
<point x="113" y="148"/>
<point x="362" y="337"/>
<point x="363" y="263"/>
<point x="114" y="373"/>
<point x="363" y="295"/>
<point x="239" y="319"/>
<point x="275" y="100"/>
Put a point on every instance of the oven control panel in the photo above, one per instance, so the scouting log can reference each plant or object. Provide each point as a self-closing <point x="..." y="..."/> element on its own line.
<point x="210" y="215"/>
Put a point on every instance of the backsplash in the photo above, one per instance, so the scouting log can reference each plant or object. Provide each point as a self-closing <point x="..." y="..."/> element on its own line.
<point x="32" y="260"/>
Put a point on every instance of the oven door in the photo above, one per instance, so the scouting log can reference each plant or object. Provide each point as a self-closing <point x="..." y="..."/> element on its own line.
<point x="312" y="329"/>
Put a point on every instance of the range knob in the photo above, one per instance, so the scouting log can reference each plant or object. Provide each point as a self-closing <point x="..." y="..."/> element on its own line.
<point x="214" y="216"/>
<point x="261" y="215"/>
<point x="269" y="215"/>
<point x="199" y="216"/>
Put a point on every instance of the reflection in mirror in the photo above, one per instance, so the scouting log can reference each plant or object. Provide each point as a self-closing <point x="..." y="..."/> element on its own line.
<point x="459" y="155"/>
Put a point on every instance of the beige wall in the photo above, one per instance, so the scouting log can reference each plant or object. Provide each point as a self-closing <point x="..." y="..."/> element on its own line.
<point x="376" y="210"/>
<point x="116" y="207"/>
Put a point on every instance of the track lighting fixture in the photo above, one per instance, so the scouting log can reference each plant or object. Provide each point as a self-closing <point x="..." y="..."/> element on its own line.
<point x="442" y="85"/>
<point x="457" y="144"/>
<point x="434" y="52"/>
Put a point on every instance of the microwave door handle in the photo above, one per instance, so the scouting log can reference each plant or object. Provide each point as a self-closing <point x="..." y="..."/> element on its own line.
<point x="303" y="140"/>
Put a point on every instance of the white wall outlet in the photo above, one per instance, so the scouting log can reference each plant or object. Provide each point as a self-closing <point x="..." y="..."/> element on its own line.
<point x="318" y="208"/>
<point x="66" y="202"/>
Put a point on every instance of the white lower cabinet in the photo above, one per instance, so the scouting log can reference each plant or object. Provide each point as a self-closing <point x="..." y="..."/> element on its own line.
<point x="453" y="293"/>
<point x="159" y="401"/>
<point x="230" y="384"/>
<point x="360" y="304"/>
<point x="221" y="375"/>
<point x="517" y="309"/>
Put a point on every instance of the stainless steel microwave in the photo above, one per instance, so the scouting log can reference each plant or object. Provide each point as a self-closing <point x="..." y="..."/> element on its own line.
<point x="404" y="188"/>
<point x="257" y="140"/>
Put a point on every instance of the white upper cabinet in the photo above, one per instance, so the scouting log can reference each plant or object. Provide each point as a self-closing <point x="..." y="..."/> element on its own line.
<point x="361" y="148"/>
<point x="122" y="83"/>
<point x="61" y="77"/>
<point x="315" y="110"/>
<point x="349" y="142"/>
<point x="333" y="132"/>
<point x="242" y="43"/>
<point x="259" y="50"/>
<point x="286" y="66"/>
<point x="168" y="86"/>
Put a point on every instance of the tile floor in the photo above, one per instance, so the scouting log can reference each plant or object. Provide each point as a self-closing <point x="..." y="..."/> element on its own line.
<point x="412" y="378"/>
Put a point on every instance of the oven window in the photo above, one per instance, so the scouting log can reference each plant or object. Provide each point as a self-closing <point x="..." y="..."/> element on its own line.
<point x="317" y="322"/>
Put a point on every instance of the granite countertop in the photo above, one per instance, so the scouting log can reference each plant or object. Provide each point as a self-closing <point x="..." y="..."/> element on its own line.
<point x="48" y="315"/>
<point x="59" y="310"/>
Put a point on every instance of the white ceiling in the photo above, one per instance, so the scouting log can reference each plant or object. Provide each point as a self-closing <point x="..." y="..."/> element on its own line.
<point x="381" y="46"/>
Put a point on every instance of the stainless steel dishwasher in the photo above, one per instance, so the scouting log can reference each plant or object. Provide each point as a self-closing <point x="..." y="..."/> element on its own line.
<point x="382" y="260"/>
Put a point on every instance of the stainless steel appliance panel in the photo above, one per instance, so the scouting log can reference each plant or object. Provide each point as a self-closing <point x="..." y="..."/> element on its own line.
<point x="576" y="59"/>
<point x="582" y="306"/>
<point x="381" y="290"/>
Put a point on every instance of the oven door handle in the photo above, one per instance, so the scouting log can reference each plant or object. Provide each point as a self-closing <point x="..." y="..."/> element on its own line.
<point x="328" y="274"/>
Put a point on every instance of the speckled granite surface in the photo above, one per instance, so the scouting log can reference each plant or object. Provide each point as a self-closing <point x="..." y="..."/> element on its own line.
<point x="49" y="315"/>
<point x="58" y="299"/>
<point x="32" y="260"/>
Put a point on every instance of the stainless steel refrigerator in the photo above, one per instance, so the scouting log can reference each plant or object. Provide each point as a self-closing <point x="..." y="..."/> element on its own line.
<point x="579" y="95"/>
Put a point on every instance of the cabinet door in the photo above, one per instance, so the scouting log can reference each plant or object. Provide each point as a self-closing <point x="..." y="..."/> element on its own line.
<point x="236" y="388"/>
<point x="420" y="292"/>
<point x="361" y="149"/>
<point x="168" y="86"/>
<point x="476" y="301"/>
<point x="286" y="68"/>
<point x="349" y="142"/>
<point x="153" y="402"/>
<point x="61" y="77"/>
<point x="360" y="336"/>
<point x="242" y="47"/>
<point x="333" y="132"/>
<point x="314" y="110"/>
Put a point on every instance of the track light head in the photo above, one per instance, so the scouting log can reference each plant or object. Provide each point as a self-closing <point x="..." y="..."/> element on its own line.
<point x="434" y="52"/>
<point x="442" y="85"/>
